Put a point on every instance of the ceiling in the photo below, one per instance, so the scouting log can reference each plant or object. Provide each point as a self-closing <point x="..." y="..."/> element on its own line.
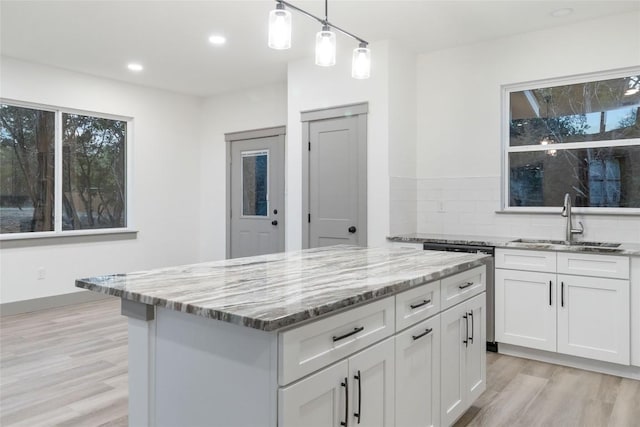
<point x="170" y="37"/>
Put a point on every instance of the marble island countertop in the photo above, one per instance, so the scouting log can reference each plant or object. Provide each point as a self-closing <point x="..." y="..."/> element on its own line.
<point x="628" y="249"/>
<point x="270" y="292"/>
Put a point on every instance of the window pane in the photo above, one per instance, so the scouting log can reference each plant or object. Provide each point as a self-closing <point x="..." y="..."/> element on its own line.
<point x="255" y="183"/>
<point x="594" y="177"/>
<point x="594" y="111"/>
<point x="93" y="172"/>
<point x="27" y="141"/>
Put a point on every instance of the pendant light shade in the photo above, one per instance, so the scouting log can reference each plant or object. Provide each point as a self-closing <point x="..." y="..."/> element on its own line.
<point x="325" y="47"/>
<point x="361" y="63"/>
<point x="280" y="28"/>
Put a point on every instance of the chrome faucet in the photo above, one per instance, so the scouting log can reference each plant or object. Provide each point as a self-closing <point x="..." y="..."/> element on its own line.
<point x="566" y="212"/>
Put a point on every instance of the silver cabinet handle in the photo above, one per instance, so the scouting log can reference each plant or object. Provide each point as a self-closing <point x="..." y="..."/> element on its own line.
<point x="466" y="285"/>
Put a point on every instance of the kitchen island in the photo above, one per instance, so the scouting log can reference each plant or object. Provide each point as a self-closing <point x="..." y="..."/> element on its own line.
<point x="326" y="336"/>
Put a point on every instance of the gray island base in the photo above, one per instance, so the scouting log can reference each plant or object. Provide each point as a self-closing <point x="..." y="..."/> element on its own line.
<point x="322" y="337"/>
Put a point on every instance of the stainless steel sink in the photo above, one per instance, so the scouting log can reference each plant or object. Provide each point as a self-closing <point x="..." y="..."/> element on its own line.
<point x="562" y="242"/>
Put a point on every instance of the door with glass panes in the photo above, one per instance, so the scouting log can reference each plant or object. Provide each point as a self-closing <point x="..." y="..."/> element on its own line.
<point x="256" y="196"/>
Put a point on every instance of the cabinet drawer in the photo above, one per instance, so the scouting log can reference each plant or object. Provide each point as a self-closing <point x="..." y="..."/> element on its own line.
<point x="315" y="345"/>
<point x="520" y="259"/>
<point x="462" y="286"/>
<point x="417" y="304"/>
<point x="615" y="267"/>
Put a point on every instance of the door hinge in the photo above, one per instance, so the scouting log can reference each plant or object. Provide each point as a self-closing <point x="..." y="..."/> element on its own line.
<point x="309" y="145"/>
<point x="309" y="217"/>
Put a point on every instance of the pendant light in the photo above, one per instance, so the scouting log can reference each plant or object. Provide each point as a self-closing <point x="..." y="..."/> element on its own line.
<point x="280" y="38"/>
<point x="279" y="28"/>
<point x="326" y="47"/>
<point x="361" y="62"/>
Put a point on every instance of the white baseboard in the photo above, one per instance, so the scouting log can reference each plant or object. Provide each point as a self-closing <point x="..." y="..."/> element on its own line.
<point x="632" y="372"/>
<point x="44" y="303"/>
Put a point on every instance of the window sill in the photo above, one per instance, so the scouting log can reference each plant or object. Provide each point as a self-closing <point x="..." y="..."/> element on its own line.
<point x="67" y="234"/>
<point x="575" y="211"/>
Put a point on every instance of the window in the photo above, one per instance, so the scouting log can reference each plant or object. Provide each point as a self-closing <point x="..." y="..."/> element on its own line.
<point x="580" y="137"/>
<point x="255" y="183"/>
<point x="61" y="171"/>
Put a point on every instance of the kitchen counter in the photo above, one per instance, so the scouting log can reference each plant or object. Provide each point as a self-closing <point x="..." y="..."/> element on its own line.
<point x="628" y="249"/>
<point x="273" y="291"/>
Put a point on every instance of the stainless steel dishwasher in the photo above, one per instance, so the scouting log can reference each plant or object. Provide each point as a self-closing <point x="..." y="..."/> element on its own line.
<point x="479" y="249"/>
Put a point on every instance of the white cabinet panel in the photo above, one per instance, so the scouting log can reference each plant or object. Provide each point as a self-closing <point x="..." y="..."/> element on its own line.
<point x="418" y="375"/>
<point x="308" y="348"/>
<point x="614" y="267"/>
<point x="635" y="311"/>
<point x="462" y="286"/>
<point x="521" y="259"/>
<point x="316" y="401"/>
<point x="462" y="357"/>
<point x="417" y="304"/>
<point x="593" y="318"/>
<point x="526" y="309"/>
<point x="453" y="363"/>
<point x="372" y="388"/>
<point x="476" y="366"/>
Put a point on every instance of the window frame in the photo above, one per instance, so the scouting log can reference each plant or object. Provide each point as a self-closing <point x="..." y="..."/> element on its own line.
<point x="58" y="174"/>
<point x="506" y="149"/>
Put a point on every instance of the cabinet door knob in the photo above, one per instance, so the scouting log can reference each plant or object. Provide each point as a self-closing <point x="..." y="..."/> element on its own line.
<point x="352" y="229"/>
<point x="274" y="222"/>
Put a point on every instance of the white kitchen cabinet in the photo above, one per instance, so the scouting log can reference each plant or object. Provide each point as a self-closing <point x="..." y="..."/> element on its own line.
<point x="635" y="311"/>
<point x="593" y="318"/>
<point x="418" y="375"/>
<point x="359" y="390"/>
<point x="317" y="401"/>
<point x="372" y="400"/>
<point x="476" y="355"/>
<point x="580" y="308"/>
<point x="463" y="371"/>
<point x="526" y="309"/>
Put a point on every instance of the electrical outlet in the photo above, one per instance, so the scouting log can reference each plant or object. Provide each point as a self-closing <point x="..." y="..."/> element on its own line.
<point x="42" y="273"/>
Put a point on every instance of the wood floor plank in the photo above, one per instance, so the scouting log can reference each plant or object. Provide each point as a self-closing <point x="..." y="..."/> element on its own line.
<point x="68" y="367"/>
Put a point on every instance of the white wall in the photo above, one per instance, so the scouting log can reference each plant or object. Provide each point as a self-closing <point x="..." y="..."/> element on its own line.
<point x="312" y="87"/>
<point x="166" y="180"/>
<point x="232" y="112"/>
<point x="458" y="134"/>
<point x="402" y="139"/>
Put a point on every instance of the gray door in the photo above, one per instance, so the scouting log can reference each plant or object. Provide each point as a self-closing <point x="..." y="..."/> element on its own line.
<point x="257" y="196"/>
<point x="337" y="179"/>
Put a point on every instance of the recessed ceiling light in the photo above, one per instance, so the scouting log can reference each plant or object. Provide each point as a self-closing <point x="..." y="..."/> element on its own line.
<point x="134" y="66"/>
<point x="216" y="39"/>
<point x="558" y="13"/>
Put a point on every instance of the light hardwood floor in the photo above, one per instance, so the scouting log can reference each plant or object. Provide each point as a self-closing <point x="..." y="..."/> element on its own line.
<point x="68" y="366"/>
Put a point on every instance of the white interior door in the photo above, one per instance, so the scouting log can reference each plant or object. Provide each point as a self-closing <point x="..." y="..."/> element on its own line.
<point x="337" y="181"/>
<point x="257" y="196"/>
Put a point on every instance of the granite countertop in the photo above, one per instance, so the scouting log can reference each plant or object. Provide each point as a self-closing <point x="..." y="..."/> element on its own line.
<point x="269" y="292"/>
<point x="628" y="249"/>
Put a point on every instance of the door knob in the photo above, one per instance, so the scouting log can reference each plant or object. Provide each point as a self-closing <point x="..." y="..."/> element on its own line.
<point x="352" y="229"/>
<point x="274" y="222"/>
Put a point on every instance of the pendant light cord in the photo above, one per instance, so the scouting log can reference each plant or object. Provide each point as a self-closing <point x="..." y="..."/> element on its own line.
<point x="324" y="21"/>
<point x="326" y="11"/>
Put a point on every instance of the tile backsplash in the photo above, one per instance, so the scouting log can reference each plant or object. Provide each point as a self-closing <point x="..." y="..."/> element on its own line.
<point x="468" y="205"/>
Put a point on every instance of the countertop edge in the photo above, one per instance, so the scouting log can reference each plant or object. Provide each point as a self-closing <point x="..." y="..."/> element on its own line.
<point x="507" y="243"/>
